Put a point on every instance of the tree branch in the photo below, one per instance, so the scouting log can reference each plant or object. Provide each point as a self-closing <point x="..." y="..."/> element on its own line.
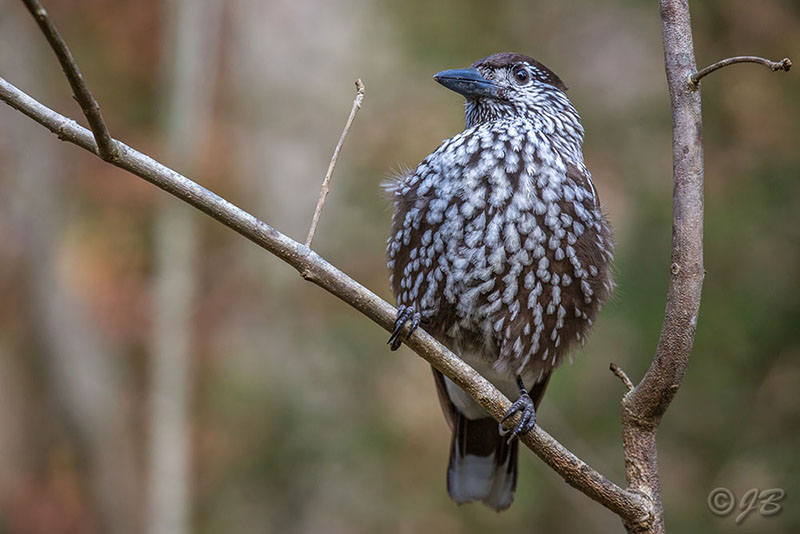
<point x="643" y="407"/>
<point x="90" y="107"/>
<point x="784" y="64"/>
<point x="632" y="506"/>
<point x="652" y="396"/>
<point x="323" y="193"/>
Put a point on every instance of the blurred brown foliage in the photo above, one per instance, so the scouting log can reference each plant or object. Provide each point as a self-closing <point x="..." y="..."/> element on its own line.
<point x="302" y="420"/>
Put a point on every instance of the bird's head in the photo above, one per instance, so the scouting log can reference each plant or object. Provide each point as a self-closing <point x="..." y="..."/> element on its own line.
<point x="506" y="85"/>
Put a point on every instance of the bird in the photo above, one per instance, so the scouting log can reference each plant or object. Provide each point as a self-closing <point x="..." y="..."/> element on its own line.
<point x="500" y="249"/>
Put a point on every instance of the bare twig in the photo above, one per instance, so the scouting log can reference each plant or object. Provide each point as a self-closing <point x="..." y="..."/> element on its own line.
<point x="323" y="193"/>
<point x="634" y="507"/>
<point x="784" y="64"/>
<point x="617" y="370"/>
<point x="79" y="88"/>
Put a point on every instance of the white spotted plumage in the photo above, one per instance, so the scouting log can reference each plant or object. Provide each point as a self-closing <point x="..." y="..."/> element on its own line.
<point x="498" y="239"/>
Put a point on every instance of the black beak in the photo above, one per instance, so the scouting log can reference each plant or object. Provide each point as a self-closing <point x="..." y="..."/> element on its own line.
<point x="468" y="82"/>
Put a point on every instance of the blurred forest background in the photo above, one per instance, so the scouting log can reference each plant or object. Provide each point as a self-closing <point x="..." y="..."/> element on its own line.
<point x="158" y="373"/>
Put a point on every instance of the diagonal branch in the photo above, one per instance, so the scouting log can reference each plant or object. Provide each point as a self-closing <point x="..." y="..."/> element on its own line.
<point x="90" y="107"/>
<point x="631" y="505"/>
<point x="784" y="64"/>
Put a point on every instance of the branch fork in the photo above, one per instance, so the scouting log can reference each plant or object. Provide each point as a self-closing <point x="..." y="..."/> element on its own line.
<point x="91" y="109"/>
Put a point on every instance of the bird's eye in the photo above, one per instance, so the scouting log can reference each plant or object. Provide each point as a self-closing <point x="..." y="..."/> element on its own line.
<point x="521" y="75"/>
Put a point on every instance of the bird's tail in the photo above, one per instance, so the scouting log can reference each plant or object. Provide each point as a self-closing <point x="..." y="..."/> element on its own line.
<point x="483" y="467"/>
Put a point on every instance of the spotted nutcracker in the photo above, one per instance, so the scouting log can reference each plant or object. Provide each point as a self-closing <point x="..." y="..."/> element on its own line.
<point x="500" y="249"/>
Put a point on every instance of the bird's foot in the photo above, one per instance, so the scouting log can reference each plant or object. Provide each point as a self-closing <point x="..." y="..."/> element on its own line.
<point x="523" y="405"/>
<point x="404" y="315"/>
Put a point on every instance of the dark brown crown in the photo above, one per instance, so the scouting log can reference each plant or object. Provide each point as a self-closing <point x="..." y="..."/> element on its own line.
<point x="507" y="59"/>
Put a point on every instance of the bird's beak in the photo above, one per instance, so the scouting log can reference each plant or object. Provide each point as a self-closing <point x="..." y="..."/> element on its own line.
<point x="468" y="82"/>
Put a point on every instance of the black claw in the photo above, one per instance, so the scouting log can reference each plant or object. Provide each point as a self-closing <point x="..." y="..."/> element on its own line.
<point x="403" y="315"/>
<point x="522" y="427"/>
<point x="414" y="324"/>
<point x="523" y="405"/>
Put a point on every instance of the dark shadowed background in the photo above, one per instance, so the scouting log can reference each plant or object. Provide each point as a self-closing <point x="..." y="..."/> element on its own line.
<point x="298" y="417"/>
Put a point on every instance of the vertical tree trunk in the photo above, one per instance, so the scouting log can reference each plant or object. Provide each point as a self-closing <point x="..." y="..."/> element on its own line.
<point x="644" y="406"/>
<point x="190" y="45"/>
<point x="81" y="378"/>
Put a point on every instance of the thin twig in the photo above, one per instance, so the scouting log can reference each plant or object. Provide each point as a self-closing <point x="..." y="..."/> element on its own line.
<point x="323" y="193"/>
<point x="784" y="64"/>
<point x="617" y="370"/>
<point x="633" y="506"/>
<point x="88" y="104"/>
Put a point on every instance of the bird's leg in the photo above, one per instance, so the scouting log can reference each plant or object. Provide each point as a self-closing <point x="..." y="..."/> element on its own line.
<point x="404" y="314"/>
<point x="524" y="405"/>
